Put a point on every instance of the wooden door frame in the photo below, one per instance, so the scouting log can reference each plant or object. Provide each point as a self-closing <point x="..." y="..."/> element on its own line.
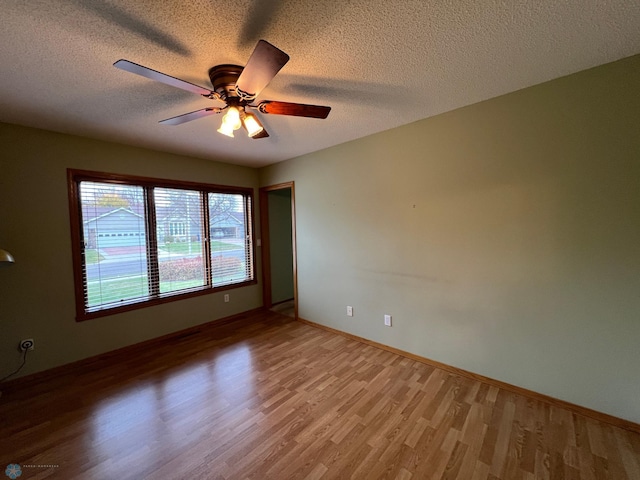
<point x="264" y="233"/>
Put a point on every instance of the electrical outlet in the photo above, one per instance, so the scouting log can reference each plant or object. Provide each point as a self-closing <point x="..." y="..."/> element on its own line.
<point x="26" y="344"/>
<point x="387" y="320"/>
<point x="349" y="311"/>
<point x="226" y="297"/>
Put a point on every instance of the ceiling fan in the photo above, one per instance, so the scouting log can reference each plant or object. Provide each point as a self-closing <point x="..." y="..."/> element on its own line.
<point x="238" y="87"/>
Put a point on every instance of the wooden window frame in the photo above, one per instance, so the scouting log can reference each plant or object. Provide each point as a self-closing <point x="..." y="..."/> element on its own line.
<point x="74" y="177"/>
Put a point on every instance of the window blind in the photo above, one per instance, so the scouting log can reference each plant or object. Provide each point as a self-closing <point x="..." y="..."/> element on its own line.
<point x="114" y="250"/>
<point x="145" y="240"/>
<point x="230" y="239"/>
<point x="180" y="248"/>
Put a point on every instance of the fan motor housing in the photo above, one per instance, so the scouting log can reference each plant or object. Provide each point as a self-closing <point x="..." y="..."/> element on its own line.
<point x="224" y="78"/>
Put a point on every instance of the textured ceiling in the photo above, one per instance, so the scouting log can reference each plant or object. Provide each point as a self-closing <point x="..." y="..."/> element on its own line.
<point x="378" y="64"/>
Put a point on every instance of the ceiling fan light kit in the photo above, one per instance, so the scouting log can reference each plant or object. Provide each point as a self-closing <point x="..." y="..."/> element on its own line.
<point x="251" y="124"/>
<point x="230" y="122"/>
<point x="237" y="87"/>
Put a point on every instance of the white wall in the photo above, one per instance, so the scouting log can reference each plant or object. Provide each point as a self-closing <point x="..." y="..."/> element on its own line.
<point x="504" y="237"/>
<point x="36" y="293"/>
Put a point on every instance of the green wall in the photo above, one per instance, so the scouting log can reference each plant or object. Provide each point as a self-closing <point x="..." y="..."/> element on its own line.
<point x="36" y="293"/>
<point x="503" y="237"/>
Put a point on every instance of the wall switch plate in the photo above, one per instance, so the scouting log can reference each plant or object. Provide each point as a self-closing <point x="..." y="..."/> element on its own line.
<point x="387" y="320"/>
<point x="226" y="297"/>
<point x="349" y="311"/>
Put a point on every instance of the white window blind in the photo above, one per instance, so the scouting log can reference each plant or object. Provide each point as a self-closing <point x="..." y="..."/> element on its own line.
<point x="115" y="253"/>
<point x="143" y="240"/>
<point x="180" y="249"/>
<point x="230" y="239"/>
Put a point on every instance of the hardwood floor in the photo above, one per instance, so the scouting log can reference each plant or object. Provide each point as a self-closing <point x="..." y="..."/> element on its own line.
<point x="285" y="308"/>
<point x="269" y="397"/>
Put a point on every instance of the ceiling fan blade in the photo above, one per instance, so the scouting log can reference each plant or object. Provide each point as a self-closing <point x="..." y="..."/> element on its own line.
<point x="265" y="62"/>
<point x="187" y="117"/>
<point x="296" y="109"/>
<point x="131" y="67"/>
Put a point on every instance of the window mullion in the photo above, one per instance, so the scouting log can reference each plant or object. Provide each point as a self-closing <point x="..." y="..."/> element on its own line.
<point x="248" y="240"/>
<point x="152" y="244"/>
<point x="206" y="227"/>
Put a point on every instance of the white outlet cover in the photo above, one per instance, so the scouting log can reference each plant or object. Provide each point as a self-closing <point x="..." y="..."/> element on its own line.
<point x="387" y="320"/>
<point x="349" y="311"/>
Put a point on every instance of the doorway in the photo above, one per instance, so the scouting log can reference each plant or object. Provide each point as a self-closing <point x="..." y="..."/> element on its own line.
<point x="279" y="270"/>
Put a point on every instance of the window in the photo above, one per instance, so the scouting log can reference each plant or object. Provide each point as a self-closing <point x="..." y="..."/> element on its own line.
<point x="142" y="241"/>
<point x="177" y="228"/>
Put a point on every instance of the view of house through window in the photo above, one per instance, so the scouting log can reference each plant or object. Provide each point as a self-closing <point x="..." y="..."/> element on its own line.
<point x="147" y="241"/>
<point x="115" y="254"/>
<point x="179" y="221"/>
<point x="228" y="233"/>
